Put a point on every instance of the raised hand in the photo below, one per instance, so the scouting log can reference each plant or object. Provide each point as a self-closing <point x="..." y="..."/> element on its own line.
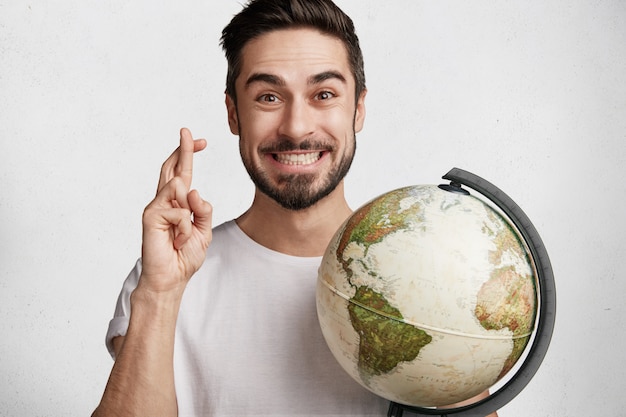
<point x="176" y="224"/>
<point x="176" y="235"/>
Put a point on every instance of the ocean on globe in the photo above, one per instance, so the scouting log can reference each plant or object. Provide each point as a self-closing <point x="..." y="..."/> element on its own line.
<point x="427" y="297"/>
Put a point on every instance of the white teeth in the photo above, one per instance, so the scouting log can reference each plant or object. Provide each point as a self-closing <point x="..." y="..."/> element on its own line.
<point x="298" y="159"/>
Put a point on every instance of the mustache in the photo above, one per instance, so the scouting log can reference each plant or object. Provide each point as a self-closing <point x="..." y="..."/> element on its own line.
<point x="286" y="145"/>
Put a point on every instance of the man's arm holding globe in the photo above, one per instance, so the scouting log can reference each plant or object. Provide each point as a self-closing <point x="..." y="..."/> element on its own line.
<point x="477" y="398"/>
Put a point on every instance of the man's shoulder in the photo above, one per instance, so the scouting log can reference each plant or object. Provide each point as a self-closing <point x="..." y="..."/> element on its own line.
<point x="225" y="237"/>
<point x="224" y="232"/>
<point x="224" y="228"/>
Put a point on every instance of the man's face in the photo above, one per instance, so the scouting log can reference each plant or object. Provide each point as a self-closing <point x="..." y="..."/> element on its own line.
<point x="296" y="115"/>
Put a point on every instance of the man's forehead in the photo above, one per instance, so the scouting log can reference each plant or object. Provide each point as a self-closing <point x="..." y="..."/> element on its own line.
<point x="309" y="52"/>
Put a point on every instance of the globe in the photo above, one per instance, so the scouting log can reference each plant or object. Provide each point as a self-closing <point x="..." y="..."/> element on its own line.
<point x="427" y="295"/>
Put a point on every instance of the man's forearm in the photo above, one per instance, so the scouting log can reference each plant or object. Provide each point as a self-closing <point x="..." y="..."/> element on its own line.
<point x="142" y="379"/>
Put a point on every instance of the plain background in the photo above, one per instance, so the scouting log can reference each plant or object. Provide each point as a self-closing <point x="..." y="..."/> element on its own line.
<point x="529" y="95"/>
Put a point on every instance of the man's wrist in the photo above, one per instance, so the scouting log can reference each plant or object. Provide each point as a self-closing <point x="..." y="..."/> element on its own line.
<point x="156" y="303"/>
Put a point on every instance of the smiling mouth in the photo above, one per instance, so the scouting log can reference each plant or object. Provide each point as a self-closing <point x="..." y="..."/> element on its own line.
<point x="297" y="158"/>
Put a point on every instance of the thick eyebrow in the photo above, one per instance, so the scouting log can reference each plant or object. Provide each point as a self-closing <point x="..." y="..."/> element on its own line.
<point x="326" y="75"/>
<point x="280" y="82"/>
<point x="265" y="78"/>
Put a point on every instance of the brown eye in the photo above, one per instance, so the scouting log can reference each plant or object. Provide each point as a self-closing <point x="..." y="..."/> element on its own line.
<point x="325" y="95"/>
<point x="268" y="98"/>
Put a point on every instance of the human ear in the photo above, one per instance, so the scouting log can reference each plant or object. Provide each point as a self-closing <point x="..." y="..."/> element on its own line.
<point x="231" y="109"/>
<point x="359" y="114"/>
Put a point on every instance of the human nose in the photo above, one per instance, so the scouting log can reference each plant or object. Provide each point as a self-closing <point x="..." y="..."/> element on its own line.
<point x="298" y="120"/>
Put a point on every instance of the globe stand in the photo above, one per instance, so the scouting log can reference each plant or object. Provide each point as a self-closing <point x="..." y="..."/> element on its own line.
<point x="547" y="303"/>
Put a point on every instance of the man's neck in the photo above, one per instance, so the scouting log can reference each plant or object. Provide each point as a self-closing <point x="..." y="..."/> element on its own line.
<point x="295" y="232"/>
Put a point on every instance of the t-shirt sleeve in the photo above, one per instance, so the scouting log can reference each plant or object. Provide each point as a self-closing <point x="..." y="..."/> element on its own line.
<point x="119" y="324"/>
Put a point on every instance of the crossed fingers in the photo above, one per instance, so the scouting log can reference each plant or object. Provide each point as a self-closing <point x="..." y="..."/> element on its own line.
<point x="180" y="162"/>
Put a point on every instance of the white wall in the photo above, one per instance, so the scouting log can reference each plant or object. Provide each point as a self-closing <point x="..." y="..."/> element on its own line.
<point x="529" y="95"/>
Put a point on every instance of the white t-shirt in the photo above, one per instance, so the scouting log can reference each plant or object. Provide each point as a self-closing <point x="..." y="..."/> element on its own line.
<point x="248" y="341"/>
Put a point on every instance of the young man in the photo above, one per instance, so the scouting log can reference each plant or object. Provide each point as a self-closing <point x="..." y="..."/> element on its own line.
<point x="241" y="338"/>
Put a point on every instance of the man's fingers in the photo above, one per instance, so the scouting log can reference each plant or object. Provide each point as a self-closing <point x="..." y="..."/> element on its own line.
<point x="184" y="167"/>
<point x="202" y="214"/>
<point x="167" y="169"/>
<point x="174" y="220"/>
<point x="173" y="194"/>
<point x="180" y="162"/>
<point x="178" y="220"/>
<point x="188" y="146"/>
<point x="183" y="230"/>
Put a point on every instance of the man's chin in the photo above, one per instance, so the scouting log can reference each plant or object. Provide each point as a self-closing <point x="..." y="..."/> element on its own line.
<point x="296" y="200"/>
<point x="296" y="203"/>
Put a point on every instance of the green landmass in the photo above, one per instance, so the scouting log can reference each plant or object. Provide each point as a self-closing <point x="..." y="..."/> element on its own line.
<point x="384" y="339"/>
<point x="376" y="220"/>
<point x="507" y="299"/>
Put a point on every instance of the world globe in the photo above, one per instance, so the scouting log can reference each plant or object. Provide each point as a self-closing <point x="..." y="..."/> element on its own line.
<point x="428" y="295"/>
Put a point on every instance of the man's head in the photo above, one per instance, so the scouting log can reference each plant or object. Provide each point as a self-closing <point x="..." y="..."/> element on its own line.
<point x="263" y="16"/>
<point x="295" y="97"/>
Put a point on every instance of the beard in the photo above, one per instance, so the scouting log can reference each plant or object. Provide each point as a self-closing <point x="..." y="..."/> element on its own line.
<point x="299" y="191"/>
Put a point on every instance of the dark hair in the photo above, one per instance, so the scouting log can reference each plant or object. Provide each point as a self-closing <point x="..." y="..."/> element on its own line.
<point x="262" y="16"/>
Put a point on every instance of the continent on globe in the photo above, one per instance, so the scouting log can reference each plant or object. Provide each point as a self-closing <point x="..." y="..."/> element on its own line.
<point x="385" y="340"/>
<point x="427" y="297"/>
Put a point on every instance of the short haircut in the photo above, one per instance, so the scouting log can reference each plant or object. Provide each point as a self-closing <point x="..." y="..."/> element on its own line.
<point x="259" y="17"/>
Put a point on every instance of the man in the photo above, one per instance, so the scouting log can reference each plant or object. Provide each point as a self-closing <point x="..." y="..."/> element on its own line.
<point x="241" y="338"/>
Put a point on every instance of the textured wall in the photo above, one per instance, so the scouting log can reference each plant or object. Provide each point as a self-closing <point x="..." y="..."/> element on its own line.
<point x="531" y="96"/>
